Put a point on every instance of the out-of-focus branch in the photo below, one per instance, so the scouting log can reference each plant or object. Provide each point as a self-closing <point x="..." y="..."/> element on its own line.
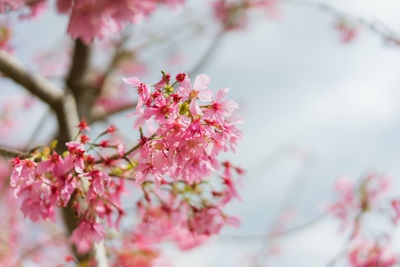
<point x="101" y="114"/>
<point x="286" y="204"/>
<point x="75" y="106"/>
<point x="11" y="153"/>
<point x="285" y="232"/>
<point x="78" y="79"/>
<point x="118" y="156"/>
<point x="68" y="118"/>
<point x="34" y="83"/>
<point x="376" y="27"/>
<point x="208" y="54"/>
<point x="298" y="228"/>
<point x="79" y="66"/>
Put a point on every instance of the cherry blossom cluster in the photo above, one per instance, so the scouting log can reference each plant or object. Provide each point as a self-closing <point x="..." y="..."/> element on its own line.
<point x="46" y="180"/>
<point x="355" y="202"/>
<point x="185" y="213"/>
<point x="188" y="128"/>
<point x="17" y="245"/>
<point x="184" y="185"/>
<point x="365" y="253"/>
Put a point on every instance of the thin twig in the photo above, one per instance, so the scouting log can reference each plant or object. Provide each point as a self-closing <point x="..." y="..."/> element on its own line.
<point x="286" y="232"/>
<point x="376" y="27"/>
<point x="12" y="153"/>
<point x="37" y="129"/>
<point x="208" y="54"/>
<point x="99" y="115"/>
<point x="118" y="156"/>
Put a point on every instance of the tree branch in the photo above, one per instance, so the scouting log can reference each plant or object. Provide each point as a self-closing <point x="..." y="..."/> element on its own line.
<point x="34" y="83"/>
<point x="68" y="118"/>
<point x="72" y="109"/>
<point x="79" y="66"/>
<point x="78" y="79"/>
<point x="11" y="153"/>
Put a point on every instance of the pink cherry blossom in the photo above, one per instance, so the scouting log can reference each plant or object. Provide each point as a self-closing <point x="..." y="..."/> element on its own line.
<point x="367" y="254"/>
<point x="86" y="234"/>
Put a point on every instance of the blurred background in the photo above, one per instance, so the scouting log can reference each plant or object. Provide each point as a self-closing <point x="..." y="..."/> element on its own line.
<point x="316" y="107"/>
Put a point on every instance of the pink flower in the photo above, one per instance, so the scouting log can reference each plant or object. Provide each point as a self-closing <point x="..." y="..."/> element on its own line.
<point x="348" y="32"/>
<point x="92" y="19"/>
<point x="199" y="90"/>
<point x="219" y="108"/>
<point x="82" y="125"/>
<point x="56" y="164"/>
<point x="396" y="208"/>
<point x="142" y="89"/>
<point x="369" y="254"/>
<point x="38" y="200"/>
<point x="66" y="185"/>
<point x="99" y="180"/>
<point x="87" y="21"/>
<point x="190" y="141"/>
<point x="209" y="221"/>
<point x="76" y="156"/>
<point x="87" y="233"/>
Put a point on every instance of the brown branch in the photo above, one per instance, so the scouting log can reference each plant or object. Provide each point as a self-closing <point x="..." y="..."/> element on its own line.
<point x="36" y="84"/>
<point x="75" y="106"/>
<point x="78" y="79"/>
<point x="79" y="66"/>
<point x="68" y="119"/>
<point x="12" y="153"/>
